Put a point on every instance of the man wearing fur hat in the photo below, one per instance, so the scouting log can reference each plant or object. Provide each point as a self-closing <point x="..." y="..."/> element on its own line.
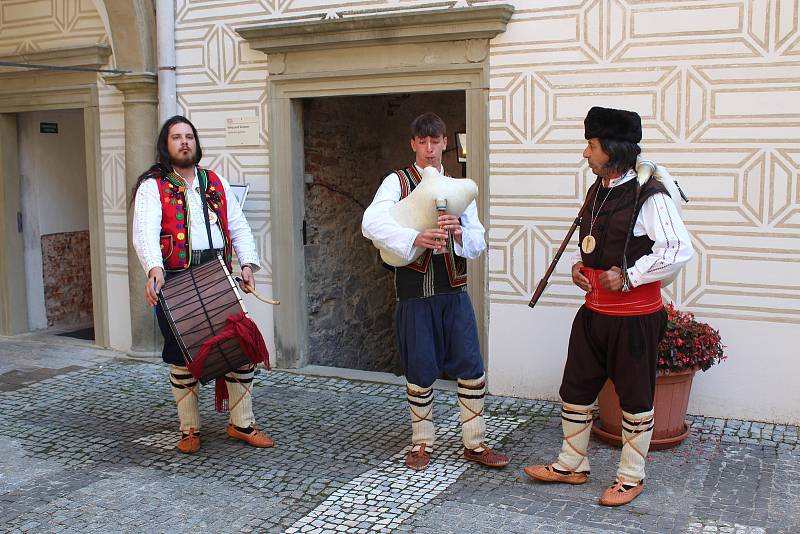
<point x="631" y="238"/>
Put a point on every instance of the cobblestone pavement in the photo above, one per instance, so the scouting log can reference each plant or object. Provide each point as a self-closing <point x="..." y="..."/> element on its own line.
<point x="87" y="445"/>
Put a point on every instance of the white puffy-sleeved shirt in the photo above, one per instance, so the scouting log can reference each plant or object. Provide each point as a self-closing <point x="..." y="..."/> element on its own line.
<point x="380" y="227"/>
<point x="147" y="226"/>
<point x="672" y="246"/>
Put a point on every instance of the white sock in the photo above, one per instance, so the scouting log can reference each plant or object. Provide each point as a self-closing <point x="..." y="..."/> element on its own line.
<point x="185" y="389"/>
<point x="637" y="430"/>
<point x="576" y="423"/>
<point x="471" y="394"/>
<point x="240" y="399"/>
<point x="420" y="404"/>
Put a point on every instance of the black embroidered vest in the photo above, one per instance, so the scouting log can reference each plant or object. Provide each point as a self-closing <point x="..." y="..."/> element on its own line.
<point x="431" y="274"/>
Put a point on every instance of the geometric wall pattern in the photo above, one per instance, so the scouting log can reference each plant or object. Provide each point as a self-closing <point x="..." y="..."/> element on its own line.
<point x="717" y="83"/>
<point x="220" y="77"/>
<point x="718" y="87"/>
<point x="40" y="25"/>
<point x="112" y="154"/>
<point x="36" y="25"/>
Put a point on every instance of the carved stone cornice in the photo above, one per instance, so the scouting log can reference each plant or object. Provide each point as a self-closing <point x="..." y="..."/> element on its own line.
<point x="137" y="87"/>
<point x="90" y="56"/>
<point x="481" y="22"/>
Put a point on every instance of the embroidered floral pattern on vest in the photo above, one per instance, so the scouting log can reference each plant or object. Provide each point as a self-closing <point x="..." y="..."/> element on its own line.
<point x="175" y="239"/>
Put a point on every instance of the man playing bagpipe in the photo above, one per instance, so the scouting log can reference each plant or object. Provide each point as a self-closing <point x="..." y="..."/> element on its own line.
<point x="435" y="322"/>
<point x="631" y="238"/>
<point x="176" y="227"/>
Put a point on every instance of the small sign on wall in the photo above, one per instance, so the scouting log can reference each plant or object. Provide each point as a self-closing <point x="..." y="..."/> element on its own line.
<point x="48" y="127"/>
<point x="242" y="131"/>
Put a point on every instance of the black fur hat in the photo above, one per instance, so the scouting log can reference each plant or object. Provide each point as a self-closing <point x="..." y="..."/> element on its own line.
<point x="617" y="124"/>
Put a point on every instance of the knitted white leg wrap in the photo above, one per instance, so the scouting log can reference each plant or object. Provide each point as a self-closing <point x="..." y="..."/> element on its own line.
<point x="185" y="389"/>
<point x="471" y="394"/>
<point x="420" y="404"/>
<point x="637" y="431"/>
<point x="576" y="423"/>
<point x="240" y="398"/>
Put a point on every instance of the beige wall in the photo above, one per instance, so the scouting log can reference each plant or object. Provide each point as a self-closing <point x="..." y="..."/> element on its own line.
<point x="37" y="26"/>
<point x="219" y="77"/>
<point x="713" y="81"/>
<point x="53" y="170"/>
<point x="112" y="154"/>
<point x="716" y="82"/>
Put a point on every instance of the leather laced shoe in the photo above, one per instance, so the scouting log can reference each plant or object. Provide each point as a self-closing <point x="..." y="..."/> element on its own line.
<point x="419" y="459"/>
<point x="256" y="438"/>
<point x="617" y="494"/>
<point x="546" y="473"/>
<point x="189" y="443"/>
<point x="486" y="457"/>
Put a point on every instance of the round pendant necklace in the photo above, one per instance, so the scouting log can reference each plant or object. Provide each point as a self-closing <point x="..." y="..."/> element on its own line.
<point x="589" y="242"/>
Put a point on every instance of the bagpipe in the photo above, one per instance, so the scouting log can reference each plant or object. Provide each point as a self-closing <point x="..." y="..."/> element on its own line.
<point x="435" y="195"/>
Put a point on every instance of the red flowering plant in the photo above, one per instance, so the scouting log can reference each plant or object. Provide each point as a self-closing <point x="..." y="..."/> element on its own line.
<point x="688" y="344"/>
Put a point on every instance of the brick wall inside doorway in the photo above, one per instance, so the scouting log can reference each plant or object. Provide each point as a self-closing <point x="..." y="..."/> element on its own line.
<point x="66" y="269"/>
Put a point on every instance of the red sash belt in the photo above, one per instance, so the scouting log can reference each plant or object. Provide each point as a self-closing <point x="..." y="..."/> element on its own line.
<point x="638" y="301"/>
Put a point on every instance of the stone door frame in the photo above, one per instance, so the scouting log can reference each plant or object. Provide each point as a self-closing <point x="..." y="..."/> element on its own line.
<point x="27" y="91"/>
<point x="441" y="50"/>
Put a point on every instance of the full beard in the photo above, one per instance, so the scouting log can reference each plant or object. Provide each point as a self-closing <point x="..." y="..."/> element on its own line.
<point x="182" y="162"/>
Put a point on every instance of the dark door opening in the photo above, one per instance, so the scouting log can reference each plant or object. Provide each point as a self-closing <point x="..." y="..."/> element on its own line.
<point x="350" y="144"/>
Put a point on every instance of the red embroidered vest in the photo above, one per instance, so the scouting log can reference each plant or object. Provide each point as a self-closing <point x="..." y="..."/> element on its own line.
<point x="175" y="240"/>
<point x="456" y="265"/>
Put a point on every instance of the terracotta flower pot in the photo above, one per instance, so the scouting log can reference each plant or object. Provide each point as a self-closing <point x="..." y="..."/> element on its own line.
<point x="670" y="404"/>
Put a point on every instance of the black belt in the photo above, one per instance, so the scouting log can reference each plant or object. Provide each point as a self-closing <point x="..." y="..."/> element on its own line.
<point x="202" y="256"/>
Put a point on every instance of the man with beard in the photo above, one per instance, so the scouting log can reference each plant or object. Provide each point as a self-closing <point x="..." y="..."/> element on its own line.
<point x="435" y="323"/>
<point x="171" y="234"/>
<point x="631" y="239"/>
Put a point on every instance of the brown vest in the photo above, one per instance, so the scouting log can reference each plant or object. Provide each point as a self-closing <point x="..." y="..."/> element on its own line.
<point x="613" y="221"/>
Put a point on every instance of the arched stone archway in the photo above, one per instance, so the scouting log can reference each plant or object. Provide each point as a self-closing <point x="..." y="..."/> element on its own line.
<point x="131" y="27"/>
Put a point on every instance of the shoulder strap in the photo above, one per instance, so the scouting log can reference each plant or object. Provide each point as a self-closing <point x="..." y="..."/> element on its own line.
<point x="651" y="187"/>
<point x="201" y="176"/>
<point x="631" y="224"/>
<point x="407" y="183"/>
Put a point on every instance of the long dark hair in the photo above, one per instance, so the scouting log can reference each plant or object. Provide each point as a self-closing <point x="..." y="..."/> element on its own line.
<point x="163" y="165"/>
<point x="621" y="154"/>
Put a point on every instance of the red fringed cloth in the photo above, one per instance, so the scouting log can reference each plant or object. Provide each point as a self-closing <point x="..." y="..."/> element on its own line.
<point x="640" y="300"/>
<point x="250" y="340"/>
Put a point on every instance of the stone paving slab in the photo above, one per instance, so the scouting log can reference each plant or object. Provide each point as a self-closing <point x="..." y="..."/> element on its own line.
<point x="87" y="445"/>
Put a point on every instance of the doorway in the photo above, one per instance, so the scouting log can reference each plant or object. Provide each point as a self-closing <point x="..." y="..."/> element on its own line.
<point x="350" y="143"/>
<point x="54" y="221"/>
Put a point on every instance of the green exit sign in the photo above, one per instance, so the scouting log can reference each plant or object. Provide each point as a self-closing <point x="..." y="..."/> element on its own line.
<point x="48" y="127"/>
